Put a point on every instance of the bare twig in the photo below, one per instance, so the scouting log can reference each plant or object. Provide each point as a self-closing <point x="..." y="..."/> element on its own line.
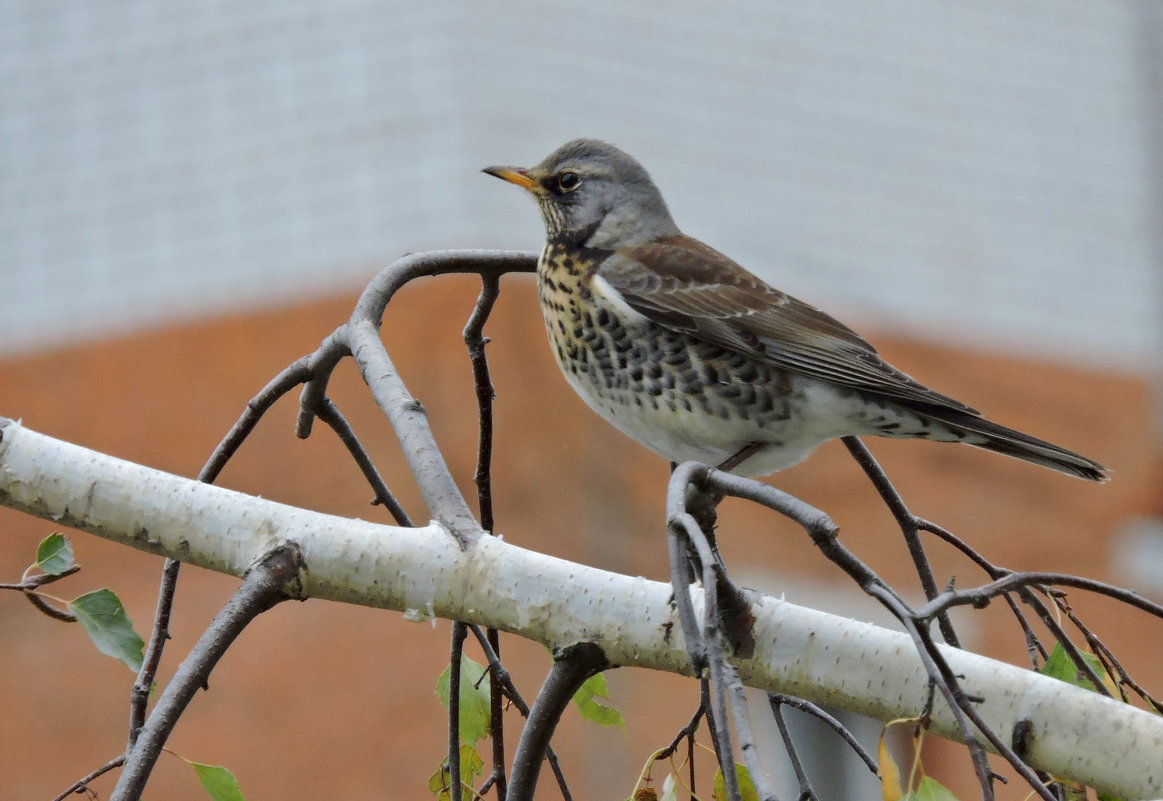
<point x="475" y="341"/>
<point x="459" y="632"/>
<point x="46" y="608"/>
<point x="572" y="665"/>
<point x="909" y="526"/>
<point x="944" y="680"/>
<point x="965" y="704"/>
<point x="743" y="731"/>
<point x="81" y="784"/>
<point x="779" y="699"/>
<point x="712" y="645"/>
<point x="498" y="671"/>
<point x="407" y="416"/>
<point x="329" y="413"/>
<point x="1013" y="581"/>
<point x="265" y="585"/>
<point x="139" y="698"/>
<point x="291" y="376"/>
<point x="705" y="643"/>
<point x="30" y="583"/>
<point x="687" y="732"/>
<point x="789" y="747"/>
<point x="1113" y="665"/>
<point x="824" y="533"/>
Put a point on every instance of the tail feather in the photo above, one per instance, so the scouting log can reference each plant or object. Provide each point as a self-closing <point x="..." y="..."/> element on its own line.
<point x="982" y="433"/>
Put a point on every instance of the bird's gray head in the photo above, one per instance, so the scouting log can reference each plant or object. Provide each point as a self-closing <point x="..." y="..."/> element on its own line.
<point x="593" y="194"/>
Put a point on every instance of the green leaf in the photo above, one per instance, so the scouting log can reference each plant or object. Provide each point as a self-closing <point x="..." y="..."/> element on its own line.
<point x="591" y="708"/>
<point x="218" y="782"/>
<point x="746" y="787"/>
<point x="54" y="555"/>
<point x="471" y="766"/>
<point x="474" y="699"/>
<point x="438" y="782"/>
<point x="103" y="617"/>
<point x="1059" y="666"/>
<point x="930" y="790"/>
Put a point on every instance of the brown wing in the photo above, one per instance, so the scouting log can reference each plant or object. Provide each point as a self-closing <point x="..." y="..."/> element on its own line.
<point x="680" y="283"/>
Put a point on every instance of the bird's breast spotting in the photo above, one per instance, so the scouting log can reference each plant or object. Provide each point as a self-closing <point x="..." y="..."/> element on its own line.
<point x="679" y="396"/>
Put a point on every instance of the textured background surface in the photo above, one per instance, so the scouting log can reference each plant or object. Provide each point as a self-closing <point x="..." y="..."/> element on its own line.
<point x="982" y="170"/>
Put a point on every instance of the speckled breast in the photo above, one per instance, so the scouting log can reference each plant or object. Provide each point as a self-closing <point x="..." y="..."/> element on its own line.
<point x="679" y="396"/>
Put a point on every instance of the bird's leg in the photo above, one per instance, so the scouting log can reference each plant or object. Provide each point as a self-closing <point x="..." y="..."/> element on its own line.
<point x="740" y="456"/>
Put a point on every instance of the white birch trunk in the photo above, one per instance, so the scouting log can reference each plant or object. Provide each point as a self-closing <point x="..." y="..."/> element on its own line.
<point x="1076" y="734"/>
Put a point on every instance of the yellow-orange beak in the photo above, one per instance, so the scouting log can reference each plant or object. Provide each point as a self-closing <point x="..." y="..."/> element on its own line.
<point x="514" y="175"/>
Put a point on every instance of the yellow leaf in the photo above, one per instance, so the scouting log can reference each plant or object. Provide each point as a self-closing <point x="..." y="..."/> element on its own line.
<point x="890" y="774"/>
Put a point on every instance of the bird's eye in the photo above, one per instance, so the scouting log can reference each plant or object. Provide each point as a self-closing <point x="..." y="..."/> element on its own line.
<point x="568" y="181"/>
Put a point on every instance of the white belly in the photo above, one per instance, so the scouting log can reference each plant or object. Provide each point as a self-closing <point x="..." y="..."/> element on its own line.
<point x="679" y="434"/>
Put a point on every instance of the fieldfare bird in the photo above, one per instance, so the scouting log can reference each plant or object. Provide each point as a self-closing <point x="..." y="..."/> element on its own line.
<point x="689" y="354"/>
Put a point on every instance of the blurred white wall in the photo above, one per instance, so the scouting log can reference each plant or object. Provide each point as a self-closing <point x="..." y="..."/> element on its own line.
<point x="982" y="172"/>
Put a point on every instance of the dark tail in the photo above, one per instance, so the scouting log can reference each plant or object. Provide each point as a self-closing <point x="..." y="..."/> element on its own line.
<point x="982" y="433"/>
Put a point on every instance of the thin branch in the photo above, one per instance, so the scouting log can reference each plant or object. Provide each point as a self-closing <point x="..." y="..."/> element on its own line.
<point x="497" y="723"/>
<point x="678" y="544"/>
<point x="46" y="608"/>
<point x="789" y="747"/>
<point x="320" y="364"/>
<point x="39" y="579"/>
<point x="779" y="699"/>
<point x="705" y="703"/>
<point x="1050" y="621"/>
<point x="459" y="632"/>
<point x="498" y="671"/>
<point x="571" y="667"/>
<point x="1034" y="647"/>
<point x="1113" y="665"/>
<point x="291" y="376"/>
<point x="329" y="413"/>
<point x="746" y="738"/>
<point x="944" y="680"/>
<point x="712" y="645"/>
<point x="687" y="732"/>
<point x="29" y="584"/>
<point x="1013" y="581"/>
<point x="824" y="534"/>
<point x="404" y="412"/>
<point x="151" y="660"/>
<point x="967" y="706"/>
<point x="475" y="341"/>
<point x="264" y="586"/>
<point x="81" y="784"/>
<point x="909" y="526"/>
